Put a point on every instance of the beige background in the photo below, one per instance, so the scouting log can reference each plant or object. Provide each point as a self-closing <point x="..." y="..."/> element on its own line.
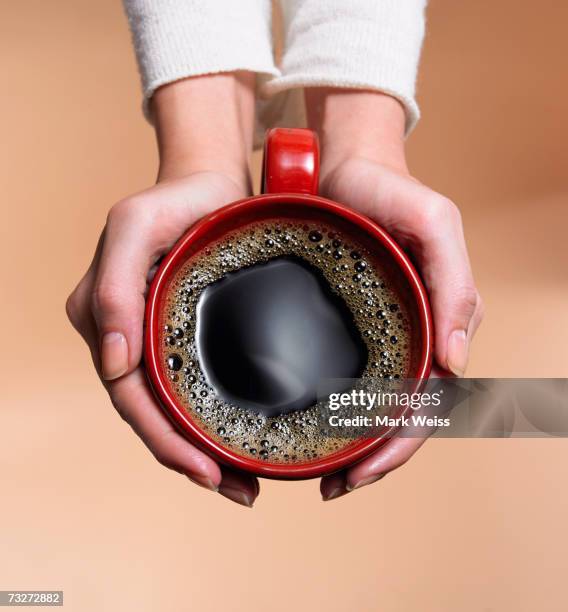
<point x="467" y="525"/>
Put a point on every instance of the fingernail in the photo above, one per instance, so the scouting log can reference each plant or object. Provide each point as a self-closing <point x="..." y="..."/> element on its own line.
<point x="204" y="482"/>
<point x="114" y="355"/>
<point x="236" y="495"/>
<point x="458" y="349"/>
<point x="364" y="482"/>
<point x="333" y="494"/>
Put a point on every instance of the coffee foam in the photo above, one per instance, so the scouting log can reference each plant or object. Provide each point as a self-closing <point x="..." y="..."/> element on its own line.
<point x="350" y="271"/>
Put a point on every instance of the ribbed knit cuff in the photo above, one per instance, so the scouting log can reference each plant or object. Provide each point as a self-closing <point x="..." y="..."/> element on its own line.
<point x="362" y="44"/>
<point x="175" y="39"/>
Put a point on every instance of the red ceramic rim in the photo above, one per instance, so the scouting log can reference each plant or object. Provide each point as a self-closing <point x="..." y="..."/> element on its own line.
<point x="354" y="452"/>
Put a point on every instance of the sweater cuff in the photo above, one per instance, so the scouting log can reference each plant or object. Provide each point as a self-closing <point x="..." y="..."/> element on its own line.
<point x="177" y="39"/>
<point x="361" y="44"/>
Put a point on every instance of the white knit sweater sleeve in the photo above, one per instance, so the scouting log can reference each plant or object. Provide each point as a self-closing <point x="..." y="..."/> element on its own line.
<point x="367" y="44"/>
<point x="174" y="39"/>
<point x="370" y="44"/>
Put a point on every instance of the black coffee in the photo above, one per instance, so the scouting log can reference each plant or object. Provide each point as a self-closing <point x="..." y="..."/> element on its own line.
<point x="255" y="322"/>
<point x="268" y="335"/>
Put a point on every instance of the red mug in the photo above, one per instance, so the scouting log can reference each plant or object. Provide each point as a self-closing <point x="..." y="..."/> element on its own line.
<point x="289" y="188"/>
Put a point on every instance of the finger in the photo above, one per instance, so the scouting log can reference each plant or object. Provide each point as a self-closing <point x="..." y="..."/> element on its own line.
<point x="135" y="403"/>
<point x="241" y="488"/>
<point x="173" y="450"/>
<point x="77" y="305"/>
<point x="176" y="456"/>
<point x="137" y="233"/>
<point x="333" y="486"/>
<point x="454" y="298"/>
<point x="89" y="333"/>
<point x="78" y="308"/>
<point x="377" y="465"/>
<point x="477" y="318"/>
<point x="430" y="227"/>
<point x="118" y="297"/>
<point x="394" y="454"/>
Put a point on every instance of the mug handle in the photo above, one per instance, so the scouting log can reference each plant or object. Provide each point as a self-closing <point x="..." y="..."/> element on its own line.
<point x="291" y="161"/>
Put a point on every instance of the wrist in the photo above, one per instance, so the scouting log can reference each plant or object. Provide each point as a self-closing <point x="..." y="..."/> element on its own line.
<point x="205" y="124"/>
<point x="357" y="124"/>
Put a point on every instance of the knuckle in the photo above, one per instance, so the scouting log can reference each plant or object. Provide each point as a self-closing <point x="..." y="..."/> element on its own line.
<point x="467" y="298"/>
<point x="122" y="209"/>
<point x="72" y="308"/>
<point x="71" y="304"/>
<point x="163" y="459"/>
<point x="453" y="211"/>
<point x="400" y="462"/>
<point x="107" y="298"/>
<point x="119" y="407"/>
<point x="480" y="308"/>
<point x="162" y="453"/>
<point x="439" y="209"/>
<point x="131" y="209"/>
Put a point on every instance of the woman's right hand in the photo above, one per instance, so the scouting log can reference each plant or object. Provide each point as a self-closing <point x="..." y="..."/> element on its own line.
<point x="107" y="306"/>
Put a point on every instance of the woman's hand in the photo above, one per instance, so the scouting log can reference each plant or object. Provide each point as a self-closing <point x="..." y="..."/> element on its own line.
<point x="363" y="166"/>
<point x="200" y="171"/>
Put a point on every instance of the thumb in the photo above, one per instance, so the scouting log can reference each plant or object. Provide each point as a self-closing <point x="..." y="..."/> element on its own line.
<point x="455" y="301"/>
<point x="118" y="298"/>
<point x="454" y="307"/>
